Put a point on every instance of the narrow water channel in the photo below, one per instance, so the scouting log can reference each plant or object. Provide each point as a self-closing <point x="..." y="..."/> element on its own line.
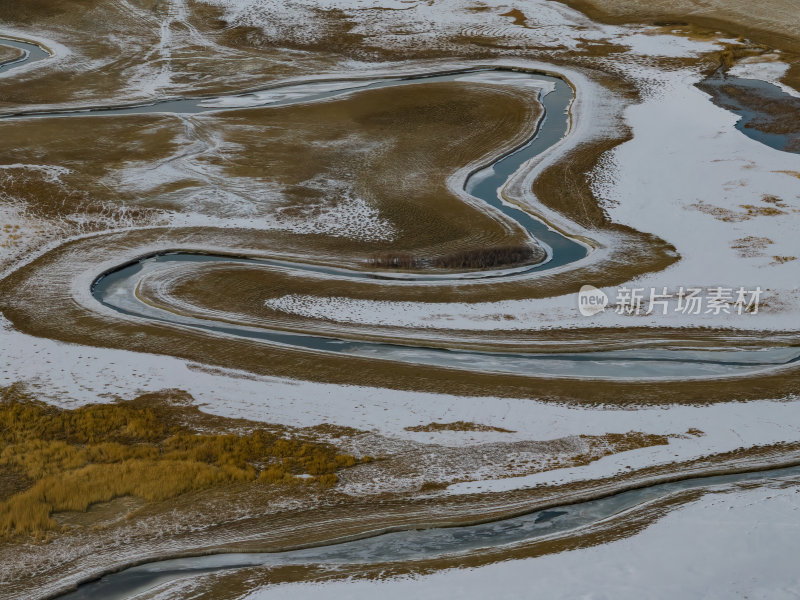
<point x="414" y="545"/>
<point x="30" y="53"/>
<point x="116" y="289"/>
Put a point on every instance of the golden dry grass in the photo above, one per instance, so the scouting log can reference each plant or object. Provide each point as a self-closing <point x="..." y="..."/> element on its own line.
<point x="749" y="211"/>
<point x="780" y="260"/>
<point x="75" y="458"/>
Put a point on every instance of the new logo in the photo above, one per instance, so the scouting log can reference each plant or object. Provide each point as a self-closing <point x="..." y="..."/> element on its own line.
<point x="591" y="300"/>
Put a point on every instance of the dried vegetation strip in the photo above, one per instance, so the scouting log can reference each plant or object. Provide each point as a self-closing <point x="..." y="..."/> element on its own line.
<point x="457" y="426"/>
<point x="9" y="53"/>
<point x="484" y="258"/>
<point x="54" y="460"/>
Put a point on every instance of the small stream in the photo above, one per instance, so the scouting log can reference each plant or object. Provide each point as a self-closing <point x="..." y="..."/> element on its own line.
<point x="116" y="288"/>
<point x="414" y="545"/>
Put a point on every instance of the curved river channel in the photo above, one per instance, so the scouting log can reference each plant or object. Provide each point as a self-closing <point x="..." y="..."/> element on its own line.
<point x="30" y="53"/>
<point x="414" y="545"/>
<point x="116" y="289"/>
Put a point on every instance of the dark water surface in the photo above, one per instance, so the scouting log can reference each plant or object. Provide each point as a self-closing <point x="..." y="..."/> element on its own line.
<point x="761" y="106"/>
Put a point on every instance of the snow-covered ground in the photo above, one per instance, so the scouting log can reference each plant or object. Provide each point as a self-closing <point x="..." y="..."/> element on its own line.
<point x="729" y="205"/>
<point x="70" y="375"/>
<point x="739" y="544"/>
<point x="767" y="67"/>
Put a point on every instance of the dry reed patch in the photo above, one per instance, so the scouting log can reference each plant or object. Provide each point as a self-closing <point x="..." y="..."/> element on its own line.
<point x="148" y="448"/>
<point x="483" y="258"/>
<point x="762" y="211"/>
<point x="731" y="216"/>
<point x="780" y="260"/>
<point x="9" y="53"/>
<point x="457" y="426"/>
<point x="751" y="246"/>
<point x="790" y="173"/>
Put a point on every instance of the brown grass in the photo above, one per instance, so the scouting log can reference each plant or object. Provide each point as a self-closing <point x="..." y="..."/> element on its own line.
<point x="457" y="426"/>
<point x="751" y="246"/>
<point x="783" y="259"/>
<point x="481" y="258"/>
<point x="774" y="22"/>
<point x="395" y="149"/>
<point x="486" y="258"/>
<point x="517" y="16"/>
<point x="632" y="440"/>
<point x="91" y="151"/>
<point x="732" y="216"/>
<point x="790" y="173"/>
<point x="75" y="458"/>
<point x="395" y="260"/>
<point x="9" y="53"/>
<point x="762" y="211"/>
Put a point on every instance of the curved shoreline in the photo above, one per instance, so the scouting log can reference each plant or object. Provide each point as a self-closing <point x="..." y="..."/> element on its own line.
<point x="33" y="51"/>
<point x="73" y="591"/>
<point x="121" y="291"/>
<point x="590" y="120"/>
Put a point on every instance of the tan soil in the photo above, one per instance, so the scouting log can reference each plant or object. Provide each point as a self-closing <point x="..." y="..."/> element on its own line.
<point x="9" y="53"/>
